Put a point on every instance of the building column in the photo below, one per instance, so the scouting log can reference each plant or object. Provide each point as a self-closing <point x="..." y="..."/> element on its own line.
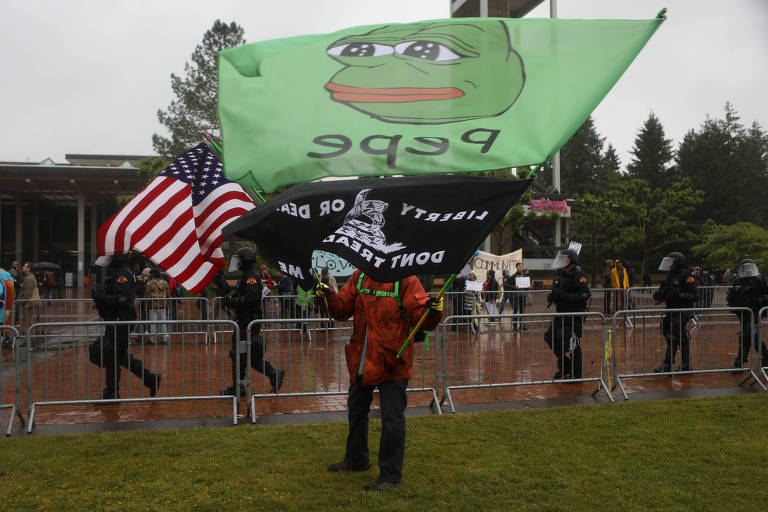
<point x="36" y="230"/>
<point x="94" y="232"/>
<point x="19" y="225"/>
<point x="80" y="238"/>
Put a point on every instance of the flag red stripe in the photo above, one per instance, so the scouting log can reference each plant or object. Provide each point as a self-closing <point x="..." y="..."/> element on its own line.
<point x="194" y="265"/>
<point x="204" y="280"/>
<point x="161" y="216"/>
<point x="212" y="237"/>
<point x="168" y="235"/>
<point x="233" y="197"/>
<point x="159" y="184"/>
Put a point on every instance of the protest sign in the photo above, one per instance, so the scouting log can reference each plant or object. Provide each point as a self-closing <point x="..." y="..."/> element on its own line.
<point x="485" y="261"/>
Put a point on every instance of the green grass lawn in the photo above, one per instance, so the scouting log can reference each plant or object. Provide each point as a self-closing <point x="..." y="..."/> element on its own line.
<point x="704" y="454"/>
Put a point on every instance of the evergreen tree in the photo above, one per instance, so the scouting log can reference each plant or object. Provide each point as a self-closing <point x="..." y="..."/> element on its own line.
<point x="592" y="221"/>
<point x="611" y="163"/>
<point x="650" y="220"/>
<point x="194" y="108"/>
<point x="652" y="154"/>
<point x="730" y="165"/>
<point x="581" y="161"/>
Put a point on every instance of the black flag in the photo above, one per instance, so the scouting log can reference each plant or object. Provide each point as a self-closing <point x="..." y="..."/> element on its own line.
<point x="389" y="228"/>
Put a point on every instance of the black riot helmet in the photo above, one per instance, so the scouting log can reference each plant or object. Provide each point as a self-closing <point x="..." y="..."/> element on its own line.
<point x="747" y="268"/>
<point x="242" y="259"/>
<point x="120" y="260"/>
<point x="672" y="261"/>
<point x="565" y="258"/>
<point x="111" y="263"/>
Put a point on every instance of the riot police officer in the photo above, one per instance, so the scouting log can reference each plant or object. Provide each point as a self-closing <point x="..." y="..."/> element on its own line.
<point x="570" y="293"/>
<point x="115" y="303"/>
<point x="750" y="290"/>
<point x="678" y="290"/>
<point x="246" y="303"/>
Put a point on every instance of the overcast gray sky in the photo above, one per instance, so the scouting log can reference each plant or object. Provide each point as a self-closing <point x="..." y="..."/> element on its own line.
<point x="87" y="76"/>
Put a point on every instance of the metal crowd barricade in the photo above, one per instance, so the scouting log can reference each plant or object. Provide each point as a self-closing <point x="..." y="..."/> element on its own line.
<point x="64" y="375"/>
<point x="712" y="297"/>
<point x="273" y="307"/>
<point x="187" y="310"/>
<point x="761" y="345"/>
<point x="314" y="361"/>
<point x="460" y="303"/>
<point x="639" y="297"/>
<point x="32" y="311"/>
<point x="708" y="297"/>
<point x="11" y="397"/>
<point x="642" y="348"/>
<point x="513" y="352"/>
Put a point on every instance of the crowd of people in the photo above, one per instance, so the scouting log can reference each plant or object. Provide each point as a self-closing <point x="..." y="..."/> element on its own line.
<point x="31" y="282"/>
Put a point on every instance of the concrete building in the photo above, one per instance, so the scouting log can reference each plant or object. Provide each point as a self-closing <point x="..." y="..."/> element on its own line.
<point x="51" y="211"/>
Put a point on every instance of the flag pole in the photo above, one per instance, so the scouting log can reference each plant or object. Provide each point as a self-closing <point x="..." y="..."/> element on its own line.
<point x="424" y="316"/>
<point x="534" y="172"/>
<point x="212" y="143"/>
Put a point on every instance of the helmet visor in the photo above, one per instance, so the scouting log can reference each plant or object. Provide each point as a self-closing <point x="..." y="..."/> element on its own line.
<point x="234" y="263"/>
<point x="560" y="261"/>
<point x="748" y="270"/>
<point x="103" y="261"/>
<point x="666" y="264"/>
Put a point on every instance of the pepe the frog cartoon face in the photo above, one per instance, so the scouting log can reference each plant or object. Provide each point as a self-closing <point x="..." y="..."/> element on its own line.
<point x="428" y="73"/>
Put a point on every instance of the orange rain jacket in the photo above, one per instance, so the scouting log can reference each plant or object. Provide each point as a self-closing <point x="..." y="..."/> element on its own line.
<point x="385" y="324"/>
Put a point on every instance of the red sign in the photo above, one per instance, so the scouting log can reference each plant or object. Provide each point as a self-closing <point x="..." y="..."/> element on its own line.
<point x="547" y="206"/>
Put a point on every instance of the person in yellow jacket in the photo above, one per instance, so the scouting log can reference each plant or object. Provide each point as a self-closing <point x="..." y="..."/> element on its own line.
<point x="620" y="281"/>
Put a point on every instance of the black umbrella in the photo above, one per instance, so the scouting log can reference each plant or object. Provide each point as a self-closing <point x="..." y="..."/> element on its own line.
<point x="46" y="265"/>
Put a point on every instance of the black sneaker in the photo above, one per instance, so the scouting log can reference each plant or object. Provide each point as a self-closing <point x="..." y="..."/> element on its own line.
<point x="379" y="485"/>
<point x="277" y="380"/>
<point x="109" y="394"/>
<point x="337" y="467"/>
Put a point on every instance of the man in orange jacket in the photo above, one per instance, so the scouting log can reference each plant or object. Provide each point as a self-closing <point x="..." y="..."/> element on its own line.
<point x="384" y="314"/>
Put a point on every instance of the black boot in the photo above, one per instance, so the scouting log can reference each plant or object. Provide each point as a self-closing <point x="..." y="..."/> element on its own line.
<point x="276" y="380"/>
<point x="231" y="390"/>
<point x="109" y="394"/>
<point x="154" y="383"/>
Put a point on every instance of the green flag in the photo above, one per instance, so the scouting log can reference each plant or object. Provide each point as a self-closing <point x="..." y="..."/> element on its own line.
<point x="457" y="95"/>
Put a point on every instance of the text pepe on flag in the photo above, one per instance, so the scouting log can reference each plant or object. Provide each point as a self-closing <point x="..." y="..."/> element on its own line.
<point x="177" y="219"/>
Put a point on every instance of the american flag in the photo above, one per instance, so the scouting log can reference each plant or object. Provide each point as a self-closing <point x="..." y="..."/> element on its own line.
<point x="176" y="220"/>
